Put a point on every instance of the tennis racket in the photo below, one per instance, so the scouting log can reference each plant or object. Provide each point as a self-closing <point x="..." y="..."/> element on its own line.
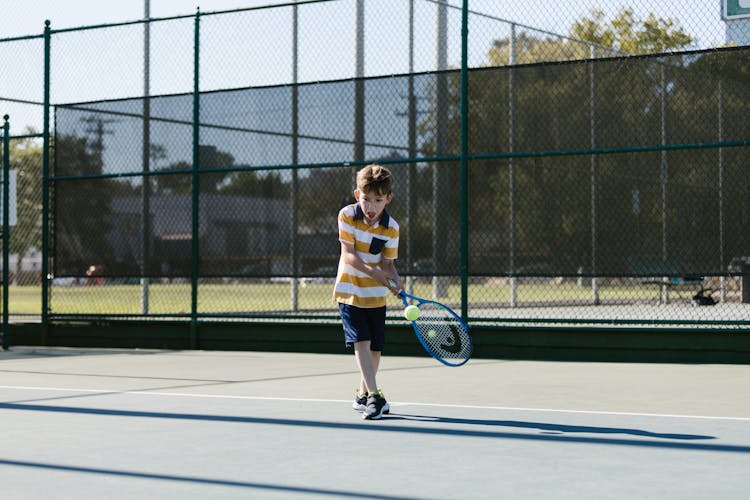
<point x="440" y="330"/>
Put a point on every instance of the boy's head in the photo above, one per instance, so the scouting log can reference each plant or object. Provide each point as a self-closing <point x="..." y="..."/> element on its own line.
<point x="374" y="191"/>
<point x="376" y="180"/>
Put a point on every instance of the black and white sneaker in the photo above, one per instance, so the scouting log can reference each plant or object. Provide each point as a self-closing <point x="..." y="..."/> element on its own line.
<point x="360" y="401"/>
<point x="376" y="406"/>
<point x="387" y="407"/>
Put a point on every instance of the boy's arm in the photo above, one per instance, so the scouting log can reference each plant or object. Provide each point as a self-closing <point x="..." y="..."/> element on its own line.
<point x="350" y="257"/>
<point x="389" y="267"/>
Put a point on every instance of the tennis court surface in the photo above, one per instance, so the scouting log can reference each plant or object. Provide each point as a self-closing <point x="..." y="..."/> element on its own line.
<point x="195" y="425"/>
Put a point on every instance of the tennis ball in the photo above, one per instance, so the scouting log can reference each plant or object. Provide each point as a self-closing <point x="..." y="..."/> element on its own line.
<point x="411" y="312"/>
<point x="432" y="334"/>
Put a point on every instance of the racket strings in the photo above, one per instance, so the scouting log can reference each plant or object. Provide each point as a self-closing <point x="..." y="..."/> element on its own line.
<point x="442" y="332"/>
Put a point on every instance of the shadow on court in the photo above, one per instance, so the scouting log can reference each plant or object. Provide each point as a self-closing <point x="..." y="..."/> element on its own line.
<point x="199" y="480"/>
<point x="554" y="428"/>
<point x="672" y="441"/>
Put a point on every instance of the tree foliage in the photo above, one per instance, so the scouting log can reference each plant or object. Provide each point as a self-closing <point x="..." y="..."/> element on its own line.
<point x="550" y="203"/>
<point x="209" y="157"/>
<point x="630" y="34"/>
<point x="624" y="34"/>
<point x="26" y="160"/>
<point x="530" y="49"/>
<point x="223" y="179"/>
<point x="82" y="206"/>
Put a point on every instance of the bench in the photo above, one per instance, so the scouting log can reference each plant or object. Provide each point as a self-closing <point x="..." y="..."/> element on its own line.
<point x="666" y="276"/>
<point x="701" y="297"/>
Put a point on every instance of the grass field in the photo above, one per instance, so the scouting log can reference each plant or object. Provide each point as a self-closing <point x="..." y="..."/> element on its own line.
<point x="259" y="297"/>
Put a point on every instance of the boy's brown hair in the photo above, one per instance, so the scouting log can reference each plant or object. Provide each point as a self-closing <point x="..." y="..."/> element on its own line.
<point x="375" y="179"/>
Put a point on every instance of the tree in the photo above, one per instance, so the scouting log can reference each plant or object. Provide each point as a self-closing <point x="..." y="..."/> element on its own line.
<point x="249" y="183"/>
<point x="623" y="34"/>
<point x="530" y="49"/>
<point x="732" y="65"/>
<point x="322" y="194"/>
<point x="243" y="183"/>
<point x="209" y="157"/>
<point x="552" y="104"/>
<point x="627" y="33"/>
<point x="26" y="160"/>
<point x="81" y="205"/>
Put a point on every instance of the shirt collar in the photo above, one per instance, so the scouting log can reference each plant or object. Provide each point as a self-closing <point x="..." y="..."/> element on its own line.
<point x="385" y="218"/>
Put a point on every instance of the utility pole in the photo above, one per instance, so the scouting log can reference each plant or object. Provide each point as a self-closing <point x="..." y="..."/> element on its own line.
<point x="439" y="176"/>
<point x="97" y="128"/>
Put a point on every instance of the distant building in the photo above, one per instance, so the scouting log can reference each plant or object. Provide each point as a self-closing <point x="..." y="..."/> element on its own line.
<point x="236" y="232"/>
<point x="239" y="236"/>
<point x="31" y="261"/>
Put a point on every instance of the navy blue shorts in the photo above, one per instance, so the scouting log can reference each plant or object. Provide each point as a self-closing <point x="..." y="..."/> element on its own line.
<point x="362" y="323"/>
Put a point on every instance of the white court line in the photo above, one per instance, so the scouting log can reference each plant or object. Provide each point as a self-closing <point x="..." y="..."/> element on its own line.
<point x="146" y="392"/>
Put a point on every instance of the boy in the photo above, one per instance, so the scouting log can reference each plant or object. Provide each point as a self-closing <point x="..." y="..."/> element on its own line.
<point x="369" y="247"/>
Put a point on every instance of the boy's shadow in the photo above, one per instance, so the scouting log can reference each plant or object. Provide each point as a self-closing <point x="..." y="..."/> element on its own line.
<point x="546" y="428"/>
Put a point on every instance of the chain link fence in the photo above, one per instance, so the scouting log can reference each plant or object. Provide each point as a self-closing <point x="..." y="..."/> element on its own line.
<point x="23" y="236"/>
<point x="198" y="162"/>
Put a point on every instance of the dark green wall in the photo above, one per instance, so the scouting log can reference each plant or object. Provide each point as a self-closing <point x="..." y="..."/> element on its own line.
<point x="571" y="344"/>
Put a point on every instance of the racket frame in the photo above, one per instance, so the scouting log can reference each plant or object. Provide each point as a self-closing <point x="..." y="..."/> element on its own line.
<point x="405" y="297"/>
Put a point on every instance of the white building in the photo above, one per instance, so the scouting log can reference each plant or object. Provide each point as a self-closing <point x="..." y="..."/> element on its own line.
<point x="31" y="261"/>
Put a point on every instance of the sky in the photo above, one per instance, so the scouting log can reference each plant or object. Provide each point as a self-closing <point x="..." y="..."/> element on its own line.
<point x="94" y="64"/>
<point x="21" y="17"/>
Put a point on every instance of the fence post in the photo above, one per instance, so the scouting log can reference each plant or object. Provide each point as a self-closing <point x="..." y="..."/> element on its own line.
<point x="45" y="183"/>
<point x="722" y="256"/>
<point x="195" y="242"/>
<point x="146" y="162"/>
<point x="411" y="114"/>
<point x="511" y="168"/>
<point x="294" y="250"/>
<point x="6" y="228"/>
<point x="359" y="88"/>
<point x="464" y="162"/>
<point x="440" y="284"/>
<point x="664" y="176"/>
<point x="592" y="134"/>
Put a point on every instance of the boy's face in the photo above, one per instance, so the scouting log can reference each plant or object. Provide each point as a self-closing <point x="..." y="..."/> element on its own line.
<point x="372" y="204"/>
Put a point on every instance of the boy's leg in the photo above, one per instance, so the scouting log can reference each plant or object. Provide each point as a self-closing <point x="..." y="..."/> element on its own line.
<point x="364" y="330"/>
<point x="362" y="396"/>
<point x="376" y="365"/>
<point x="376" y="404"/>
<point x="367" y="365"/>
<point x="357" y="335"/>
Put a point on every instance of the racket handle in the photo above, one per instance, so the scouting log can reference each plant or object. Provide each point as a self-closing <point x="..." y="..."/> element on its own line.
<point x="394" y="284"/>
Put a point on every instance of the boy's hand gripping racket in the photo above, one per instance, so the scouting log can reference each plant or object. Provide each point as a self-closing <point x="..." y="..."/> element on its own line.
<point x="440" y="330"/>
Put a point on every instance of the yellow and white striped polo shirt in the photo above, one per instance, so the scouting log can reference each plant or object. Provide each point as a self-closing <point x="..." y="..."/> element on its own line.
<point x="372" y="243"/>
